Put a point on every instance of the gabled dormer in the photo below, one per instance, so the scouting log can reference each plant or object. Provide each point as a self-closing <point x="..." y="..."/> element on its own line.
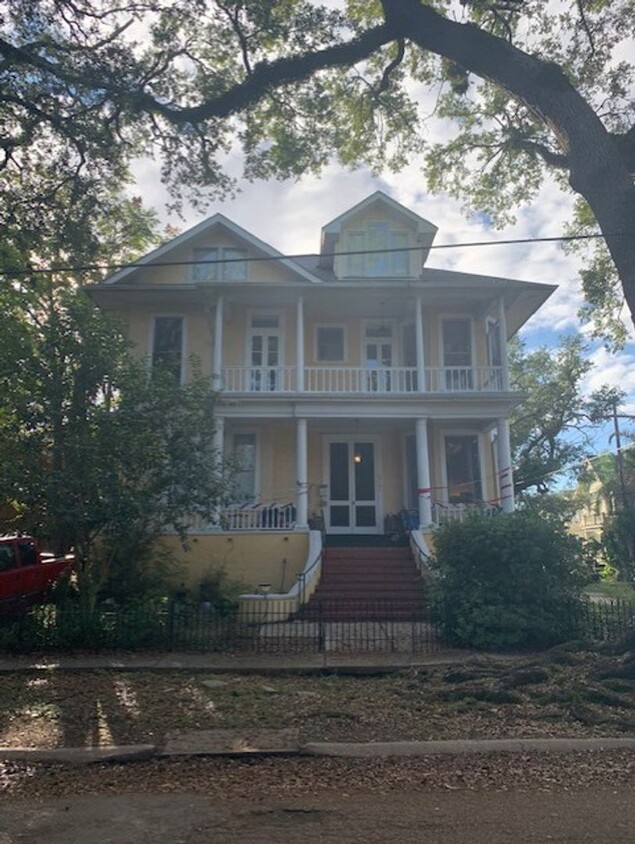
<point x="377" y="238"/>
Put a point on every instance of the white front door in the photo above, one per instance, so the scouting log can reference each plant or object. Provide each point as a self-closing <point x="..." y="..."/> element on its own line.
<point x="379" y="357"/>
<point x="351" y="471"/>
<point x="265" y="359"/>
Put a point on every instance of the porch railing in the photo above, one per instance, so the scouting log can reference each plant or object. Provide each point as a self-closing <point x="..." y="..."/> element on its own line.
<point x="363" y="380"/>
<point x="262" y="516"/>
<point x="442" y="513"/>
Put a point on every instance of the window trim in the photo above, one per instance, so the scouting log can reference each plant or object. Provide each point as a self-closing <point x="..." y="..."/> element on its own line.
<point x="183" y="319"/>
<point x="316" y="345"/>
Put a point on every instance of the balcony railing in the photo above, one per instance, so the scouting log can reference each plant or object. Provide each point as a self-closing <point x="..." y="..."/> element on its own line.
<point x="363" y="380"/>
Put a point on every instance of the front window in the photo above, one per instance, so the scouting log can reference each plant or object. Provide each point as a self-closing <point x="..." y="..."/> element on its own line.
<point x="330" y="344"/>
<point x="457" y="342"/>
<point x="167" y="346"/>
<point x="214" y="264"/>
<point x="245" y="448"/>
<point x="463" y="469"/>
<point x="371" y="261"/>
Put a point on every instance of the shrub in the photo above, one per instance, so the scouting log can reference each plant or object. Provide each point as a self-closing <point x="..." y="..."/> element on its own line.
<point x="508" y="582"/>
<point x="618" y="541"/>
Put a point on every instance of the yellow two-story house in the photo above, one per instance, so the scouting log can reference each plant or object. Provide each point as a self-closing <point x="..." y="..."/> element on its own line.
<point x="354" y="385"/>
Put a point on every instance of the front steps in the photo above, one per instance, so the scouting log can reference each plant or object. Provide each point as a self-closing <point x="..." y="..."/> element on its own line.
<point x="367" y="583"/>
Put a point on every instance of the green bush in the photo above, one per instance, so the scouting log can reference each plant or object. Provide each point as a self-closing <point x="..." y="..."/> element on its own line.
<point x="508" y="582"/>
<point x="618" y="542"/>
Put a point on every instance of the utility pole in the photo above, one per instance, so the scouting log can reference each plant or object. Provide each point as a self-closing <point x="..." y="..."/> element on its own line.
<point x="619" y="460"/>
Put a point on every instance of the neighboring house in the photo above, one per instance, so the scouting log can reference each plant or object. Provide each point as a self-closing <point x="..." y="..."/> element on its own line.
<point x="354" y="385"/>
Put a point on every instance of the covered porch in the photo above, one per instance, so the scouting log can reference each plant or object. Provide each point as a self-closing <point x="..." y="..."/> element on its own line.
<point x="357" y="475"/>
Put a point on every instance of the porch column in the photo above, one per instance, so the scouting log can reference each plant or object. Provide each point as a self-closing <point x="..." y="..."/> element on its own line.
<point x="424" y="497"/>
<point x="299" y="350"/>
<point x="421" y="360"/>
<point x="219" y="443"/>
<point x="505" y="475"/>
<point x="302" y="482"/>
<point x="217" y="363"/>
<point x="502" y="328"/>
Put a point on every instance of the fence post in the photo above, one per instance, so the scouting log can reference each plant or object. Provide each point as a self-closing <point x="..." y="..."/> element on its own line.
<point x="321" y="636"/>
<point x="171" y="623"/>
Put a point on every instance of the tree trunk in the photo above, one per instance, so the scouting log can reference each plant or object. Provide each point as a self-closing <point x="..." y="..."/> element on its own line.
<point x="597" y="171"/>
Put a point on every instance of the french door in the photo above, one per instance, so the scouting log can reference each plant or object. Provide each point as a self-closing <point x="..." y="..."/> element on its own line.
<point x="351" y="471"/>
<point x="265" y="361"/>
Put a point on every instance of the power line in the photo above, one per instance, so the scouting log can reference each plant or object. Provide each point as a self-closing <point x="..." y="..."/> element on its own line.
<point x="14" y="272"/>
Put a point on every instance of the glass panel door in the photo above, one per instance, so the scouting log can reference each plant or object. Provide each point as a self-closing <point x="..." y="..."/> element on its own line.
<point x="378" y="357"/>
<point x="352" y="503"/>
<point x="265" y="360"/>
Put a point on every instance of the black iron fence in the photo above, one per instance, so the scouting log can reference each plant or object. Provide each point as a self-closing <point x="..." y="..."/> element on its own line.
<point x="337" y="627"/>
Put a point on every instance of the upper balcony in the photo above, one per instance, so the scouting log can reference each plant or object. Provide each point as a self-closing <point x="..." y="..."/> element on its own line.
<point x="366" y="381"/>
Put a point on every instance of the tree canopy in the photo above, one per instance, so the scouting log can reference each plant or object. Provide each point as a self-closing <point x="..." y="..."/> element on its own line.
<point x="528" y="87"/>
<point x="552" y="429"/>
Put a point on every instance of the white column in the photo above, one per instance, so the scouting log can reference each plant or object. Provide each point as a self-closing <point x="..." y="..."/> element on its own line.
<point x="219" y="445"/>
<point x="505" y="474"/>
<point x="421" y="359"/>
<point x="217" y="364"/>
<point x="299" y="351"/>
<point x="424" y="496"/>
<point x="302" y="482"/>
<point x="502" y="327"/>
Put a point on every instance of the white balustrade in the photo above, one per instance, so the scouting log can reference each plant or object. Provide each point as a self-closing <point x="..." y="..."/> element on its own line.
<point x="362" y="379"/>
<point x="249" y="517"/>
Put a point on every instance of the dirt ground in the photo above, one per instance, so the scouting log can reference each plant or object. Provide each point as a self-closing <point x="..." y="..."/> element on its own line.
<point x="602" y="816"/>
<point x="563" y="693"/>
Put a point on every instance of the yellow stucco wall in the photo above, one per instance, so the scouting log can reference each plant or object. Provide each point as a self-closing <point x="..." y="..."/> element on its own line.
<point x="251" y="558"/>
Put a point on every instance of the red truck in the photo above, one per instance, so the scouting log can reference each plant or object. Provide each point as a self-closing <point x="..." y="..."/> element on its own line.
<point x="26" y="573"/>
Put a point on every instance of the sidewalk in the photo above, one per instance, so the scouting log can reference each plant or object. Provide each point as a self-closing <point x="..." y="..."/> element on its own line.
<point x="371" y="663"/>
<point x="265" y="743"/>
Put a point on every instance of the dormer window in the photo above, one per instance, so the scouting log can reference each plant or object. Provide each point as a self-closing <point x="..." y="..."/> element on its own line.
<point x="367" y="262"/>
<point x="216" y="264"/>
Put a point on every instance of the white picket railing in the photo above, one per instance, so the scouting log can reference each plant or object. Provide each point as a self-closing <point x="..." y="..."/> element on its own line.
<point x="442" y="513"/>
<point x="272" y="516"/>
<point x="362" y="379"/>
<point x="259" y="379"/>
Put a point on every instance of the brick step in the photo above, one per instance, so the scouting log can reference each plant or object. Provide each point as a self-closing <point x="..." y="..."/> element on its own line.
<point x="366" y="571"/>
<point x="410" y="613"/>
<point x="368" y="554"/>
<point x="361" y="576"/>
<point x="378" y="583"/>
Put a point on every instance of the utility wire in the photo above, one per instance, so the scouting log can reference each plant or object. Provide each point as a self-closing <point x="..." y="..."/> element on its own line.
<point x="15" y="272"/>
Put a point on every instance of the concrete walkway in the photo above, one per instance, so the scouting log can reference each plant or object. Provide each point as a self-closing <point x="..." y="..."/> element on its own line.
<point x="223" y="663"/>
<point x="262" y="743"/>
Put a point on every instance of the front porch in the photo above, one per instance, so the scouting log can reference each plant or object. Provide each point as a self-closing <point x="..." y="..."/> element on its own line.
<point x="358" y="476"/>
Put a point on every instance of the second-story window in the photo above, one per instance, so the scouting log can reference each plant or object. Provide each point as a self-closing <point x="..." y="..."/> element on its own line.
<point x="216" y="264"/>
<point x="368" y="262"/>
<point x="167" y="345"/>
<point x="330" y="343"/>
<point x="457" y="342"/>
